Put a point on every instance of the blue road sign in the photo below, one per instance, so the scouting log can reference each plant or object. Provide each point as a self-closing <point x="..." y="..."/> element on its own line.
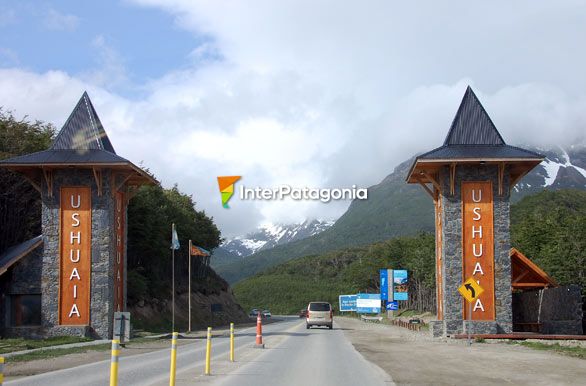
<point x="347" y="302"/>
<point x="393" y="306"/>
<point x="368" y="303"/>
<point x="400" y="282"/>
<point x="384" y="284"/>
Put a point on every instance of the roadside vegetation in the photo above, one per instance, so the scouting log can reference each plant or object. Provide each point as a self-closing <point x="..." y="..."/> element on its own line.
<point x="57" y="352"/>
<point x="150" y="214"/>
<point x="548" y="227"/>
<point x="573" y="351"/>
<point x="20" y="344"/>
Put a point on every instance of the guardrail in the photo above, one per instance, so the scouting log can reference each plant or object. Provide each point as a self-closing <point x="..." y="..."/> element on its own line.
<point x="408" y="325"/>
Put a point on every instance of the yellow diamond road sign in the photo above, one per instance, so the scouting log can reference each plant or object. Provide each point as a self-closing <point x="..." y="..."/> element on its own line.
<point x="470" y="290"/>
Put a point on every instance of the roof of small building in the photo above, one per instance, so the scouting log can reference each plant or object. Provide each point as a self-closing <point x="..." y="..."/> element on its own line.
<point x="13" y="254"/>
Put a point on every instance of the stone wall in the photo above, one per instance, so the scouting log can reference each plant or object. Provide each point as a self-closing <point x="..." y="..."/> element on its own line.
<point x="102" y="254"/>
<point x="560" y="311"/>
<point x="452" y="276"/>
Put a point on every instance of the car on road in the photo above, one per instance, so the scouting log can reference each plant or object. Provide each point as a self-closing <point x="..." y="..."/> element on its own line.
<point x="266" y="314"/>
<point x="303" y="313"/>
<point x="319" y="314"/>
<point x="253" y="313"/>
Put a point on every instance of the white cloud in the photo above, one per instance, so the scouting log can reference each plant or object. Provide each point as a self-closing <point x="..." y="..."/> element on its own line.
<point x="57" y="21"/>
<point x="325" y="94"/>
<point x="110" y="72"/>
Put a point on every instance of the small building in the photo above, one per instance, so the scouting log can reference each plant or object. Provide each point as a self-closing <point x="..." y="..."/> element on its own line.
<point x="72" y="278"/>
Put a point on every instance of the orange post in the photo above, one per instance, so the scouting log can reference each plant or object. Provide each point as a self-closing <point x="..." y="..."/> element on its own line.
<point x="259" y="343"/>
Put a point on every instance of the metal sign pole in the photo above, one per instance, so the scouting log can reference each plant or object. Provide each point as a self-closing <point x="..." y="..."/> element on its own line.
<point x="469" y="322"/>
<point x="173" y="290"/>
<point x="189" y="290"/>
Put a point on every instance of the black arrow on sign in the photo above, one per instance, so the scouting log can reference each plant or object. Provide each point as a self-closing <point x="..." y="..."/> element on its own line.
<point x="471" y="289"/>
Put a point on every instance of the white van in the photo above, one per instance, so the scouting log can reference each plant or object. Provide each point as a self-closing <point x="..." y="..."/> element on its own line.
<point x="320" y="314"/>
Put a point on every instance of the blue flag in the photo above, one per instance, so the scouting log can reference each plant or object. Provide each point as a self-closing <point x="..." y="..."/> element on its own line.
<point x="174" y="239"/>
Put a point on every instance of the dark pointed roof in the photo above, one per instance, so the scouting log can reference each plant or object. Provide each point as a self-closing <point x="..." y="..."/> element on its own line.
<point x="83" y="130"/>
<point x="473" y="137"/>
<point x="472" y="125"/>
<point x="82" y="142"/>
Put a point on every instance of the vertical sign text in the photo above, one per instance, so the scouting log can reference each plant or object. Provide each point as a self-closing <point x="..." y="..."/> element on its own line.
<point x="75" y="259"/>
<point x="119" y="222"/>
<point x="478" y="245"/>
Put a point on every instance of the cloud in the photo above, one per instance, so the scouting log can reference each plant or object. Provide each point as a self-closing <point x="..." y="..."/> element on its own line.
<point x="111" y="70"/>
<point x="324" y="94"/>
<point x="56" y="21"/>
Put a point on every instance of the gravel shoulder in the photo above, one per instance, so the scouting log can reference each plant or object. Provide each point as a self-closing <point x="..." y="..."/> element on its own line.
<point x="414" y="358"/>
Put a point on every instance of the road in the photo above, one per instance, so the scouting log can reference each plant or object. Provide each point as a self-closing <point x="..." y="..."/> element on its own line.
<point x="293" y="356"/>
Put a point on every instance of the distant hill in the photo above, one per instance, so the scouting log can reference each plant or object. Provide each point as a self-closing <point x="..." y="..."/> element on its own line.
<point x="549" y="227"/>
<point x="395" y="208"/>
<point x="266" y="237"/>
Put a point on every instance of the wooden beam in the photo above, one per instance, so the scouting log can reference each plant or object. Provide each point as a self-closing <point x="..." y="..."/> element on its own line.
<point x="131" y="192"/>
<point x="530" y="284"/>
<point x="424" y="186"/>
<point x="521" y="276"/>
<point x="98" y="178"/>
<point x="48" y="174"/>
<point x="121" y="184"/>
<point x="452" y="178"/>
<point x="514" y="181"/>
<point x="432" y="180"/>
<point x="33" y="178"/>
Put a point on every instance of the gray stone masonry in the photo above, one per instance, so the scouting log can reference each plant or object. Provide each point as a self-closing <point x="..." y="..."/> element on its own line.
<point x="560" y="311"/>
<point x="103" y="255"/>
<point x="452" y="252"/>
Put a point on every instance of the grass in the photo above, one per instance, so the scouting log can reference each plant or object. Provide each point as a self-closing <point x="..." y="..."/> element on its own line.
<point x="44" y="354"/>
<point x="19" y="344"/>
<point x="576" y="352"/>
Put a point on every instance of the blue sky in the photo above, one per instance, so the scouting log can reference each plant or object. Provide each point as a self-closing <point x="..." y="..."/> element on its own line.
<point x="316" y="93"/>
<point x="79" y="37"/>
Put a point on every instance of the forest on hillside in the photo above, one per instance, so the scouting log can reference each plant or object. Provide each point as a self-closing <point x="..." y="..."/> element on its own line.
<point x="548" y="227"/>
<point x="150" y="215"/>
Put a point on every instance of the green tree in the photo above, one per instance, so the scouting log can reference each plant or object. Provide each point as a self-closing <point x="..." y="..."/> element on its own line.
<point x="550" y="229"/>
<point x="20" y="204"/>
<point x="150" y="215"/>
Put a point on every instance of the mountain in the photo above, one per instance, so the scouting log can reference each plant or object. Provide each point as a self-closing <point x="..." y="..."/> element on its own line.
<point x="538" y="223"/>
<point x="266" y="237"/>
<point x="395" y="208"/>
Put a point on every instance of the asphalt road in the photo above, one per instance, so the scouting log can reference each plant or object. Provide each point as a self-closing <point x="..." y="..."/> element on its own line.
<point x="293" y="356"/>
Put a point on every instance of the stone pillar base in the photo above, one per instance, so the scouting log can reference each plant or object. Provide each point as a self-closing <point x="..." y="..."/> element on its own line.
<point x="437" y="328"/>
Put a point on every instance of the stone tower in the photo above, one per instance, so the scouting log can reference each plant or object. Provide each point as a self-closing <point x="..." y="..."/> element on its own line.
<point x="85" y="187"/>
<point x="470" y="178"/>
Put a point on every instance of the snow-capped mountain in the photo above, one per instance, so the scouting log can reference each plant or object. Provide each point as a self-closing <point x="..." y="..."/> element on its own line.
<point x="562" y="168"/>
<point x="271" y="235"/>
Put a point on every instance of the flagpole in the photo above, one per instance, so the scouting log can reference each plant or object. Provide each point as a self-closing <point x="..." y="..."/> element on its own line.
<point x="189" y="291"/>
<point x="173" y="282"/>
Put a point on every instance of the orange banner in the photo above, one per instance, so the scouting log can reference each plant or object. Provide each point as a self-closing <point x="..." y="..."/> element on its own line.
<point x="478" y="245"/>
<point x="119" y="223"/>
<point x="75" y="267"/>
<point x="438" y="258"/>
